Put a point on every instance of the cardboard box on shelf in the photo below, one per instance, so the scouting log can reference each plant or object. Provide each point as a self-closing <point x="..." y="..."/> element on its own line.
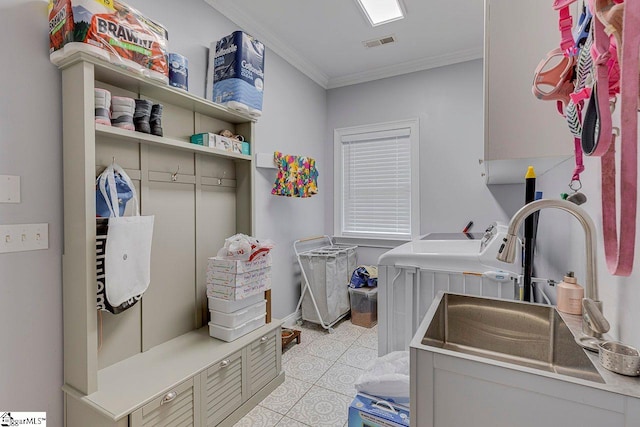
<point x="238" y="292"/>
<point x="215" y="277"/>
<point x="234" y="266"/>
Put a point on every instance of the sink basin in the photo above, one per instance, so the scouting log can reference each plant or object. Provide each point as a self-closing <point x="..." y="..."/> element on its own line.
<point x="528" y="335"/>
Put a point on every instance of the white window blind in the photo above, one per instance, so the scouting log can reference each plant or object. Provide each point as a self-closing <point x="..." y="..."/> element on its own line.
<point x="376" y="183"/>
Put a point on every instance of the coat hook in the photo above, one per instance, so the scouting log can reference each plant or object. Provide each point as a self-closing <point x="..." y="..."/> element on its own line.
<point x="219" y="181"/>
<point x="174" y="176"/>
<point x="113" y="160"/>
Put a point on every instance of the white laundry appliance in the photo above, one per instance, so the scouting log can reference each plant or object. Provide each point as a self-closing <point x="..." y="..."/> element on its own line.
<point x="410" y="276"/>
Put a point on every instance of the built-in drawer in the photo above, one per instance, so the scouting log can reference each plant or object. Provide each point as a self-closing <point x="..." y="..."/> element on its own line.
<point x="263" y="361"/>
<point x="223" y="389"/>
<point x="178" y="407"/>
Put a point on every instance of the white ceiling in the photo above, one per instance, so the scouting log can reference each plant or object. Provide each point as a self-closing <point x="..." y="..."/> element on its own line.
<point x="323" y="39"/>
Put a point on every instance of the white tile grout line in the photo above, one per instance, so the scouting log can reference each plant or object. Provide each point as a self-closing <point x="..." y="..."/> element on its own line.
<point x="331" y="366"/>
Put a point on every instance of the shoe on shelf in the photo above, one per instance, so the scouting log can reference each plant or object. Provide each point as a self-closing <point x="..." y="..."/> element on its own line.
<point x="142" y="115"/>
<point x="122" y="109"/>
<point x="102" y="106"/>
<point x="155" y="120"/>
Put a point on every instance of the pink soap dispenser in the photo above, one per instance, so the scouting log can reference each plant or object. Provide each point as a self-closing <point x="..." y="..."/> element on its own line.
<point x="570" y="295"/>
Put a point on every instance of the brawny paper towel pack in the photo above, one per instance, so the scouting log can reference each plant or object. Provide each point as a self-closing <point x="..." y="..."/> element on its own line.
<point x="235" y="75"/>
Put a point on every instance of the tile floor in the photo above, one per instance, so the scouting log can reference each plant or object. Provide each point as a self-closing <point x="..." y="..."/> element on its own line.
<point x="320" y="372"/>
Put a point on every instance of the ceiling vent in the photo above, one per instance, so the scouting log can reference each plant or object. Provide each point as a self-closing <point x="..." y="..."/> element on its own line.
<point x="380" y="41"/>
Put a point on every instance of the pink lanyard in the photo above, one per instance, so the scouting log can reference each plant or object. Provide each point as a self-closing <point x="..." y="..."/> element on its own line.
<point x="619" y="250"/>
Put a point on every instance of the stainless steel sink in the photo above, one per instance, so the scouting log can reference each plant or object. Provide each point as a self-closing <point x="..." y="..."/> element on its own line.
<point x="524" y="334"/>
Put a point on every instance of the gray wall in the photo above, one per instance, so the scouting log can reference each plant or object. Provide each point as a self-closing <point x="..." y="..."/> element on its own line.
<point x="31" y="146"/>
<point x="562" y="248"/>
<point x="448" y="102"/>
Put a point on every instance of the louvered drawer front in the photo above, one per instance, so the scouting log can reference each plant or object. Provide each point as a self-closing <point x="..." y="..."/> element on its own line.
<point x="223" y="388"/>
<point x="175" y="408"/>
<point x="262" y="362"/>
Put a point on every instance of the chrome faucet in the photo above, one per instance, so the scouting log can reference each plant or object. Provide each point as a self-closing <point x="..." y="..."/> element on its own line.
<point x="594" y="323"/>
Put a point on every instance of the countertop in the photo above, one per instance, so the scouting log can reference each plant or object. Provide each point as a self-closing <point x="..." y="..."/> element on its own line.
<point x="616" y="383"/>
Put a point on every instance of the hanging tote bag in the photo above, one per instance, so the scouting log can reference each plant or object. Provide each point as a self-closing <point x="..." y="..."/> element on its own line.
<point x="125" y="254"/>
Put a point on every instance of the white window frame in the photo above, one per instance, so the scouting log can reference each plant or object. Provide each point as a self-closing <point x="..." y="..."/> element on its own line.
<point x="338" y="172"/>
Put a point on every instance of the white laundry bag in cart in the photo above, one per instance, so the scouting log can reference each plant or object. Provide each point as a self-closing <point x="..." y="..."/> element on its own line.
<point x="328" y="271"/>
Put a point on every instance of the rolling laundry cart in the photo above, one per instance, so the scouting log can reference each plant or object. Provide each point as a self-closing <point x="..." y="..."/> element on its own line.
<point x="326" y="269"/>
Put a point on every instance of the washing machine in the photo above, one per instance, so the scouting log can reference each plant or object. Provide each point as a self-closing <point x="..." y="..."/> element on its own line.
<point x="410" y="276"/>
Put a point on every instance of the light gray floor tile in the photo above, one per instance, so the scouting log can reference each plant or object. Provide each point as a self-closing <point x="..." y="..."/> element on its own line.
<point x="340" y="378"/>
<point x="310" y="332"/>
<point x="347" y="332"/>
<point x="368" y="339"/>
<point x="359" y="357"/>
<point x="306" y="367"/>
<point x="321" y="408"/>
<point x="259" y="417"/>
<point x="290" y="422"/>
<point x="286" y="395"/>
<point x="326" y="348"/>
<point x="292" y="350"/>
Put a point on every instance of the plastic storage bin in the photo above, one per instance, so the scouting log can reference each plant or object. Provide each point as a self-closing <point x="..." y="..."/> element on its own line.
<point x="240" y="317"/>
<point x="230" y="334"/>
<point x="226" y="306"/>
<point x="364" y="306"/>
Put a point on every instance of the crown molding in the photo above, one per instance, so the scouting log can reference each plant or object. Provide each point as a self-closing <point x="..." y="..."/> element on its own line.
<point x="311" y="70"/>
<point x="281" y="48"/>
<point x="406" y="67"/>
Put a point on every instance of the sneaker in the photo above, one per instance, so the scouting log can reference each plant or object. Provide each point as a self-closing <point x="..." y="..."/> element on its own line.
<point x="156" y="119"/>
<point x="142" y="115"/>
<point x="102" y="106"/>
<point x="122" y="109"/>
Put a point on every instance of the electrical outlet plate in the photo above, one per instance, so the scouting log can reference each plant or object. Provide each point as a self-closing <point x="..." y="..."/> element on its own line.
<point x="24" y="237"/>
<point x="9" y="189"/>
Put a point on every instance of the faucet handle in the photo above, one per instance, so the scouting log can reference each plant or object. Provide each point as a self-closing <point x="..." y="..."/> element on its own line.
<point x="592" y="314"/>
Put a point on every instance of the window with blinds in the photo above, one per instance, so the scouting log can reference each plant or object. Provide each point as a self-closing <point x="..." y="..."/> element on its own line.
<point x="378" y="180"/>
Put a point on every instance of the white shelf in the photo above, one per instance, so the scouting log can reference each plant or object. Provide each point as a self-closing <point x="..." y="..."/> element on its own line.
<point x="118" y="76"/>
<point x="144" y="138"/>
<point x="265" y="160"/>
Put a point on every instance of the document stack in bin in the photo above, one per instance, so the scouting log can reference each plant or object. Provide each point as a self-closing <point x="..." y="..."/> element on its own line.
<point x="235" y="291"/>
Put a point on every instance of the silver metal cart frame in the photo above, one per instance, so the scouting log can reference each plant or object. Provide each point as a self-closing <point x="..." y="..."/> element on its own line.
<point x="322" y="247"/>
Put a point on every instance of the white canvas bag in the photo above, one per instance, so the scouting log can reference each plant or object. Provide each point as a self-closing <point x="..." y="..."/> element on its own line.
<point x="128" y="248"/>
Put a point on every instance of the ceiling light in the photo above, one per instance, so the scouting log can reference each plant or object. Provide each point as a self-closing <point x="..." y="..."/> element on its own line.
<point x="382" y="11"/>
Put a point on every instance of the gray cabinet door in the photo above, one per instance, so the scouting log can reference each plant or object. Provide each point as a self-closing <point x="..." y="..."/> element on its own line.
<point x="223" y="387"/>
<point x="263" y="361"/>
<point x="179" y="407"/>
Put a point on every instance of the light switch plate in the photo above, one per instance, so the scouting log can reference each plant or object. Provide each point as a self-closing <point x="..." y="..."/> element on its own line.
<point x="9" y="189"/>
<point x="24" y="237"/>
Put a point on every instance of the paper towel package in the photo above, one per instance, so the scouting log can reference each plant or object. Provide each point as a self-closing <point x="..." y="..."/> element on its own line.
<point x="111" y="30"/>
<point x="235" y="76"/>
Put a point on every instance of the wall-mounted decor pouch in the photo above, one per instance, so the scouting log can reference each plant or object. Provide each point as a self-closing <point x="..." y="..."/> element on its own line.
<point x="123" y="247"/>
<point x="297" y="176"/>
